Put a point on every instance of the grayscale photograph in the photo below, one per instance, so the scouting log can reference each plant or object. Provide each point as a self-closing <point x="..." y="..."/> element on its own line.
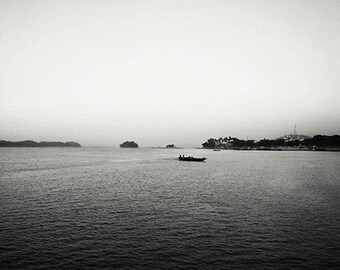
<point x="169" y="134"/>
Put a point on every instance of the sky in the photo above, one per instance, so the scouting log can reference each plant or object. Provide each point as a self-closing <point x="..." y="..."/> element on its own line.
<point x="168" y="72"/>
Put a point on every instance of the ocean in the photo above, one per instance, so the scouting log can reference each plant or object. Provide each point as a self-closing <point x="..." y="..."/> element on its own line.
<point x="110" y="208"/>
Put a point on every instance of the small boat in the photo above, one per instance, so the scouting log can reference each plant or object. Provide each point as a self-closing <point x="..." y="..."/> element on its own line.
<point x="189" y="158"/>
<point x="216" y="149"/>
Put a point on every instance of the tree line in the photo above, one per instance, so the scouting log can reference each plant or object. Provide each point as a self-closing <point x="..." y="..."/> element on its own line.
<point x="235" y="143"/>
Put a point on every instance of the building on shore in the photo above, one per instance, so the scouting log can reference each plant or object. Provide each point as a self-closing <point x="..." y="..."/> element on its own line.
<point x="294" y="137"/>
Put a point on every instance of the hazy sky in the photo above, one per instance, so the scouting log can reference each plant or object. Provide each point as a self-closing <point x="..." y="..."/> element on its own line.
<point x="160" y="72"/>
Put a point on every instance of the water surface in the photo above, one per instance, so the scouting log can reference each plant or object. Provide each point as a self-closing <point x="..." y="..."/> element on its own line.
<point x="85" y="208"/>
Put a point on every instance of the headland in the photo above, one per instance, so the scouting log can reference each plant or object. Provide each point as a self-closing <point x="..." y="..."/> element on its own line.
<point x="29" y="143"/>
<point x="297" y="143"/>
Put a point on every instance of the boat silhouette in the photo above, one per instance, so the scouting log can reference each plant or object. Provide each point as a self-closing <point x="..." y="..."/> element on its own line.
<point x="190" y="158"/>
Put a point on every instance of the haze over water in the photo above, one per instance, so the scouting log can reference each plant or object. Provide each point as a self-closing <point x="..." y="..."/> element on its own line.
<point x="84" y="208"/>
<point x="170" y="71"/>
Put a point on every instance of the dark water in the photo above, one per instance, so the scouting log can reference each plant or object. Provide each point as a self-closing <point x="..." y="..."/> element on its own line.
<point x="143" y="209"/>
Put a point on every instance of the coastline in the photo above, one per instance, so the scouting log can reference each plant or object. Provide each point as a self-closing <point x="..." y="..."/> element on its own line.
<point x="324" y="149"/>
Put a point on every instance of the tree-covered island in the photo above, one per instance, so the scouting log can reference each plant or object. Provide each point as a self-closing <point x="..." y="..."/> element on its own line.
<point x="29" y="143"/>
<point x="129" y="144"/>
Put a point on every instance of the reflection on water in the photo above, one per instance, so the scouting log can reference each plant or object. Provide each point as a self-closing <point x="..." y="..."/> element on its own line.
<point x="142" y="208"/>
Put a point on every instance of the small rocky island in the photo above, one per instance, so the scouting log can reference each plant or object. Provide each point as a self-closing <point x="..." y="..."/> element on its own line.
<point x="172" y="146"/>
<point x="169" y="146"/>
<point x="129" y="144"/>
<point x="29" y="143"/>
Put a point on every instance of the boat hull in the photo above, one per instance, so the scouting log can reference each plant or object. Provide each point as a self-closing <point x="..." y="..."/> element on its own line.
<point x="191" y="159"/>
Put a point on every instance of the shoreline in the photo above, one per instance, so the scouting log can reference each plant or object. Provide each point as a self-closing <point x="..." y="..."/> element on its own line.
<point x="290" y="149"/>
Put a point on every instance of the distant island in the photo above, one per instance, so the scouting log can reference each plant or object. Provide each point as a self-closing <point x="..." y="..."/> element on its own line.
<point x="296" y="142"/>
<point x="29" y="143"/>
<point x="129" y="144"/>
<point x="171" y="146"/>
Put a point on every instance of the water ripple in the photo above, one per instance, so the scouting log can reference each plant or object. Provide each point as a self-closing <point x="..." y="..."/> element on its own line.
<point x="107" y="209"/>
